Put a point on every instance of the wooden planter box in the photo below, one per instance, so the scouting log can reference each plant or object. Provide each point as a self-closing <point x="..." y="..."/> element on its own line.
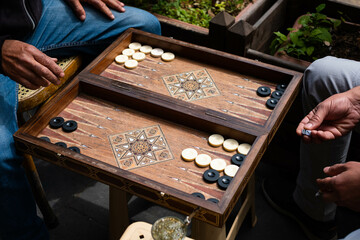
<point x="213" y="37"/>
<point x="259" y="49"/>
<point x="114" y="105"/>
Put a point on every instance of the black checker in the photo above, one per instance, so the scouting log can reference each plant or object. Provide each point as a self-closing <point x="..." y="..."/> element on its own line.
<point x="199" y="195"/>
<point x="211" y="175"/>
<point x="277" y="94"/>
<point x="61" y="144"/>
<point x="238" y="159"/>
<point x="56" y="122"/>
<point x="69" y="126"/>
<point x="281" y="87"/>
<point x="271" y="103"/>
<point x="45" y="139"/>
<point x="75" y="149"/>
<point x="224" y="181"/>
<point x="214" y="200"/>
<point x="263" y="91"/>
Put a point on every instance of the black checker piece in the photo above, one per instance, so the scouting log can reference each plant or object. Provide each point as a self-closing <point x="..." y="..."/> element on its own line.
<point x="75" y="149"/>
<point x="45" y="139"/>
<point x="238" y="159"/>
<point x="224" y="181"/>
<point x="281" y="87"/>
<point x="56" y="122"/>
<point x="61" y="144"/>
<point x="271" y="103"/>
<point x="214" y="200"/>
<point x="277" y="94"/>
<point x="211" y="175"/>
<point x="199" y="195"/>
<point x="263" y="91"/>
<point x="69" y="126"/>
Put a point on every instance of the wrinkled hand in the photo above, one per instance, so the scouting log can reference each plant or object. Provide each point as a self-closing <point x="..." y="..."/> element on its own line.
<point x="28" y="66"/>
<point x="334" y="117"/>
<point x="343" y="185"/>
<point x="101" y="5"/>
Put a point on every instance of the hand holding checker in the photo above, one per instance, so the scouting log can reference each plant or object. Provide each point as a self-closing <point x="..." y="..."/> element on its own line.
<point x="334" y="117"/>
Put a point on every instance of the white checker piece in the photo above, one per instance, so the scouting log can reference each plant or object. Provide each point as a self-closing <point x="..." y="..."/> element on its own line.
<point x="218" y="164"/>
<point x="131" y="64"/>
<point x="189" y="154"/>
<point x="230" y="145"/>
<point x="146" y="49"/>
<point x="203" y="160"/>
<point x="120" y="59"/>
<point x="231" y="170"/>
<point x="128" y="52"/>
<point x="135" y="46"/>
<point x="167" y="56"/>
<point x="138" y="56"/>
<point x="216" y="140"/>
<point x="156" y="52"/>
<point x="244" y="148"/>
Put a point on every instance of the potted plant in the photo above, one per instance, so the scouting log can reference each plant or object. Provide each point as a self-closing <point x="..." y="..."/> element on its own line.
<point x="314" y="36"/>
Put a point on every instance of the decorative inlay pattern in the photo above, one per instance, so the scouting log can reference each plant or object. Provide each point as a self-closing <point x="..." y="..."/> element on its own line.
<point x="190" y="86"/>
<point x="140" y="147"/>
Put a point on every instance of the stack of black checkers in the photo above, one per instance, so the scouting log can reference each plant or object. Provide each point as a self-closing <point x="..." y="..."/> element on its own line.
<point x="66" y="126"/>
<point x="264" y="91"/>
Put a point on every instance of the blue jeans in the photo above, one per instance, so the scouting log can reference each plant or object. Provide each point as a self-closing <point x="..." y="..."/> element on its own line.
<point x="59" y="33"/>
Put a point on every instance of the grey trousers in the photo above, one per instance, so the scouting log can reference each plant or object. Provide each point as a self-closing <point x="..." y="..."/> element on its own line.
<point x="323" y="78"/>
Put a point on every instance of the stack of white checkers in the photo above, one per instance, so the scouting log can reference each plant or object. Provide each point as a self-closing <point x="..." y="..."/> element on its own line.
<point x="136" y="52"/>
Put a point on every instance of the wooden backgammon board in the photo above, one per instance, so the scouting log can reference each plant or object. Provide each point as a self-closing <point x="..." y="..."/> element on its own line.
<point x="134" y="123"/>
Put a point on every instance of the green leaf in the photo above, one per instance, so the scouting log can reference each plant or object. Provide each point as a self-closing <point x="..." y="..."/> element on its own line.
<point x="280" y="36"/>
<point x="310" y="50"/>
<point x="320" y="7"/>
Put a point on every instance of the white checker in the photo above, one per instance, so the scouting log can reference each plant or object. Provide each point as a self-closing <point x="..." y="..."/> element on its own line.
<point x="244" y="148"/>
<point x="203" y="160"/>
<point x="135" y="45"/>
<point x="120" y="59"/>
<point x="156" y="52"/>
<point x="138" y="56"/>
<point x="230" y="145"/>
<point x="189" y="154"/>
<point x="218" y="164"/>
<point x="146" y="49"/>
<point x="216" y="140"/>
<point x="131" y="64"/>
<point x="231" y="170"/>
<point x="167" y="56"/>
<point x="128" y="52"/>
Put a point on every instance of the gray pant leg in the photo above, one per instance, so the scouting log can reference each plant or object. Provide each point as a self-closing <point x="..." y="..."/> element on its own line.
<point x="322" y="79"/>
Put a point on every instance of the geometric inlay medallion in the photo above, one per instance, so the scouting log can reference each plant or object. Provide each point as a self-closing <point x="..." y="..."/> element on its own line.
<point x="190" y="86"/>
<point x="140" y="147"/>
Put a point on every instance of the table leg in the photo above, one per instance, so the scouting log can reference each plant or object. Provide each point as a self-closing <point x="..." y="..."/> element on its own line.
<point x="118" y="212"/>
<point x="204" y="231"/>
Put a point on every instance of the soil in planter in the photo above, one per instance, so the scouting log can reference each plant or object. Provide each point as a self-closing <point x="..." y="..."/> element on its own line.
<point x="197" y="12"/>
<point x="346" y="44"/>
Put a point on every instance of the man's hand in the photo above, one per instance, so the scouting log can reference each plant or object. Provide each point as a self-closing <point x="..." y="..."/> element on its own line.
<point x="343" y="185"/>
<point x="28" y="66"/>
<point x="334" y="117"/>
<point x="101" y="5"/>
